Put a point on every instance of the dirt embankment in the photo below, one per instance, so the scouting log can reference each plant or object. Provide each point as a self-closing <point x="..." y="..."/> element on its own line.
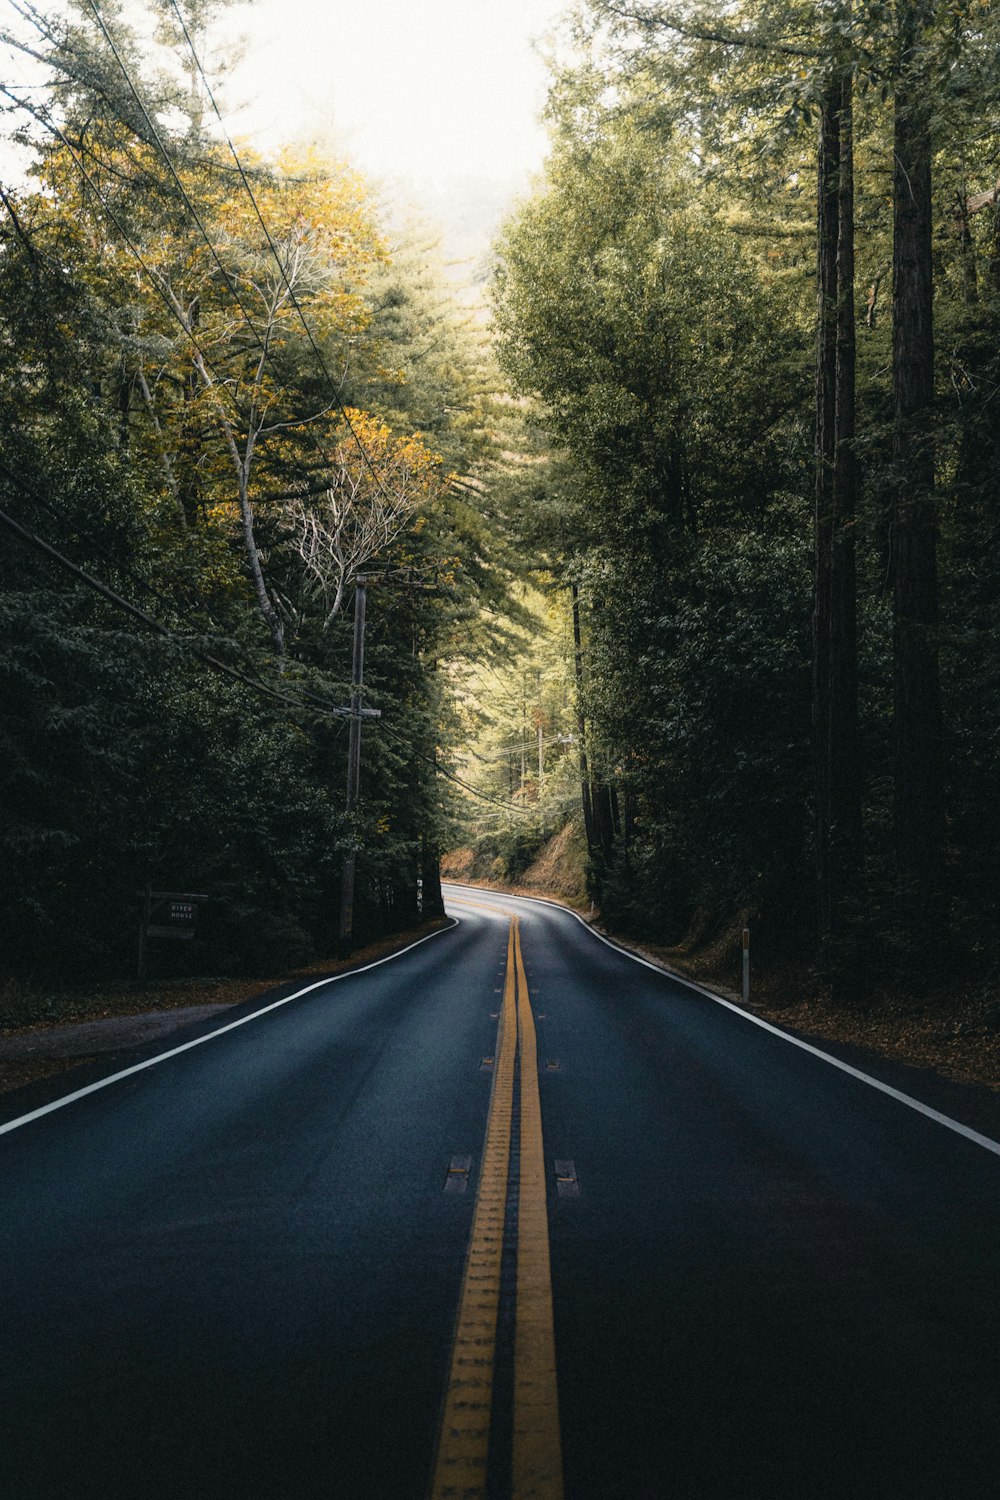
<point x="556" y="871"/>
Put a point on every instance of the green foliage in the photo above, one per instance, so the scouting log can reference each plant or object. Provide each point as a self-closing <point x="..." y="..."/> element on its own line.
<point x="711" y="688"/>
<point x="655" y="305"/>
<point x="144" y="436"/>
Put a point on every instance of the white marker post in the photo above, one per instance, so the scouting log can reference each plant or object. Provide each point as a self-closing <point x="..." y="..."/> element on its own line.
<point x="746" y="966"/>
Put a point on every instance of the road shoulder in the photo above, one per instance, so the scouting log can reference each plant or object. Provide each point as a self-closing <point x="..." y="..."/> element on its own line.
<point x="35" y="1060"/>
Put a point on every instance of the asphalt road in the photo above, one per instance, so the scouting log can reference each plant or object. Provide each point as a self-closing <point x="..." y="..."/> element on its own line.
<point x="245" y="1270"/>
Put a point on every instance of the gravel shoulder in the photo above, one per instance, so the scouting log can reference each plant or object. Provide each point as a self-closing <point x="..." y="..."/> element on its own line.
<point x="114" y="1019"/>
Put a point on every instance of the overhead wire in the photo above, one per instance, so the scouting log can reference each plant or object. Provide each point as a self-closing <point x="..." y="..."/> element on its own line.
<point x="265" y="351"/>
<point x="129" y="242"/>
<point x="31" y="537"/>
<point x="223" y="382"/>
<point x="39" y="542"/>
<point x="196" y="217"/>
<point x="137" y="579"/>
<point x="109" y="594"/>
<point x="188" y="203"/>
<point x="505" y="753"/>
<point x="458" y="780"/>
<point x="335" y="386"/>
<point x="43" y="118"/>
<point x="34" y="494"/>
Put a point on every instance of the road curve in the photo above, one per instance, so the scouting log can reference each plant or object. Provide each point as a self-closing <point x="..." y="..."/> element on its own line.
<point x="725" y="1267"/>
<point x="775" y="1279"/>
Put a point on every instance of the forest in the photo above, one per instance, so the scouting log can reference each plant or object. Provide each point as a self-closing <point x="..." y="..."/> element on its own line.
<point x="687" y="556"/>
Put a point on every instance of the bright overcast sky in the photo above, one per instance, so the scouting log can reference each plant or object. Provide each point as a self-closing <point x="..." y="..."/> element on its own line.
<point x="424" y="90"/>
<point x="439" y="99"/>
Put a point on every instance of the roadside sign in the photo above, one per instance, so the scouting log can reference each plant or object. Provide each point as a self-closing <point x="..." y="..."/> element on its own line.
<point x="173" y="915"/>
<point x="167" y="914"/>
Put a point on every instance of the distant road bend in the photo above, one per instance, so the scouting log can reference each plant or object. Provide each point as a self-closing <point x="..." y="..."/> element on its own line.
<point x="511" y="1214"/>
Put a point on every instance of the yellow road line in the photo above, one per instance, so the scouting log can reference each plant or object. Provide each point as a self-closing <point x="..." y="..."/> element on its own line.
<point x="537" y="1455"/>
<point x="463" y="1446"/>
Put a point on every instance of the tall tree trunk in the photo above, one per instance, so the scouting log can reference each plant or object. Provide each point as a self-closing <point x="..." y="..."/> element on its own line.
<point x="844" y="748"/>
<point x="919" y="807"/>
<point x="966" y="245"/>
<point x="581" y="724"/>
<point x="605" y="802"/>
<point x="993" y="265"/>
<point x="430" y="875"/>
<point x="835" y="676"/>
<point x="827" y="215"/>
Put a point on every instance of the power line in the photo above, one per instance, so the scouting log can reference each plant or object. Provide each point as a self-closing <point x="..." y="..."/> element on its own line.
<point x="450" y="775"/>
<point x="30" y="489"/>
<point x="33" y="493"/>
<point x="40" y="544"/>
<point x="43" y="118"/>
<point x="504" y="753"/>
<point x="263" y="344"/>
<point x="26" y="534"/>
<point x="334" y="385"/>
<point x="222" y="381"/>
<point x="189" y="205"/>
<point x="193" y="212"/>
<point x="32" y="538"/>
<point x="141" y="583"/>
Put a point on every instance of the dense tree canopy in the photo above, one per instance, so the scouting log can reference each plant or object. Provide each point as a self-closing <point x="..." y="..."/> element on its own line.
<point x="218" y="405"/>
<point x="769" y="526"/>
<point x="713" y="574"/>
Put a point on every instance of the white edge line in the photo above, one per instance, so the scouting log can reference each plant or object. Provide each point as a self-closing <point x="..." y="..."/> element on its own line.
<point x="150" y="1062"/>
<point x="835" y="1062"/>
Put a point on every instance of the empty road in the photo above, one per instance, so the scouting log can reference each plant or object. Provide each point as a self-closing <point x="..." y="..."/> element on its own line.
<point x="510" y="1214"/>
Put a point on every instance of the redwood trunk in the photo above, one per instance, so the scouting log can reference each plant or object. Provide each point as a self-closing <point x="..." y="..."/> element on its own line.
<point x="835" y="707"/>
<point x="919" y="814"/>
<point x="581" y="726"/>
<point x="844" y="748"/>
<point x="826" y="382"/>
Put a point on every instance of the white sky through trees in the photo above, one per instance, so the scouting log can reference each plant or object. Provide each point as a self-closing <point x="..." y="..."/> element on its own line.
<point x="425" y="90"/>
<point x="440" y="98"/>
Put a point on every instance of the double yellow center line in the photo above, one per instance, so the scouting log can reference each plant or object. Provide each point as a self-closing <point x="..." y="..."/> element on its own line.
<point x="463" y="1447"/>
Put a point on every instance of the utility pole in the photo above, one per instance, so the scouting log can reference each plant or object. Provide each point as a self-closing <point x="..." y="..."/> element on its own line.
<point x="357" y="712"/>
<point x="353" y="769"/>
